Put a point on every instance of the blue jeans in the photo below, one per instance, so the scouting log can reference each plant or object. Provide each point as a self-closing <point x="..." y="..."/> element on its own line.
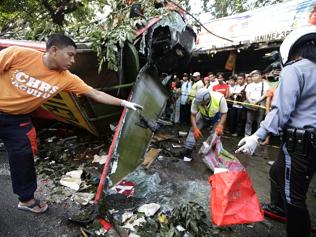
<point x="253" y="116"/>
<point x="201" y="122"/>
<point x="19" y="138"/>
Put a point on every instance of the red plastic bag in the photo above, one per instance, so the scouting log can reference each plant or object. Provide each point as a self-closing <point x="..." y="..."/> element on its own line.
<point x="233" y="199"/>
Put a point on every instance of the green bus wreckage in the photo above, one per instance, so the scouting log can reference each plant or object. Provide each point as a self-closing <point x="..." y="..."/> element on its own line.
<point x="163" y="45"/>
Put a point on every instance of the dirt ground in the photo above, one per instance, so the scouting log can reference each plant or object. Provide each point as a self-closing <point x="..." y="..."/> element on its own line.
<point x="258" y="169"/>
<point x="179" y="181"/>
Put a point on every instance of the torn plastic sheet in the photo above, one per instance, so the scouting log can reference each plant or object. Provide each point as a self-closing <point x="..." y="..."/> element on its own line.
<point x="149" y="209"/>
<point x="145" y="184"/>
<point x="72" y="179"/>
<point x="215" y="156"/>
<point x="133" y="222"/>
<point x="53" y="193"/>
<point x="133" y="235"/>
<point x="82" y="198"/>
<point x="99" y="159"/>
<point x="126" y="216"/>
<point x="150" y="187"/>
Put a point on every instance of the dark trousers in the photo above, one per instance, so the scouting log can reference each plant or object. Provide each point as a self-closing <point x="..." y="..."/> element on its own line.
<point x="19" y="138"/>
<point x="185" y="113"/>
<point x="237" y="120"/>
<point x="290" y="176"/>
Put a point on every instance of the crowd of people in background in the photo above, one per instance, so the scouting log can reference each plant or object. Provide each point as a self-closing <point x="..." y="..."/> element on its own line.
<point x="248" y="96"/>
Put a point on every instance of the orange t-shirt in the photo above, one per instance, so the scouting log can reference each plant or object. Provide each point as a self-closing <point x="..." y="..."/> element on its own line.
<point x="26" y="83"/>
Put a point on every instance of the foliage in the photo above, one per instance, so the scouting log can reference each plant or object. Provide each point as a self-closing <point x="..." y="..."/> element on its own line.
<point x="33" y="19"/>
<point x="222" y="8"/>
<point x="110" y="34"/>
<point x="104" y="23"/>
<point x="191" y="217"/>
<point x="262" y="3"/>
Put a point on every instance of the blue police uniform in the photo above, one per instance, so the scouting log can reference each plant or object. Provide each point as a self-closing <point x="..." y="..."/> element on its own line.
<point x="293" y="116"/>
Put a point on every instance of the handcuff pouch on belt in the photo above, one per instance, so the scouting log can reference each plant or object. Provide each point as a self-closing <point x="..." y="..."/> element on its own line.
<point x="300" y="141"/>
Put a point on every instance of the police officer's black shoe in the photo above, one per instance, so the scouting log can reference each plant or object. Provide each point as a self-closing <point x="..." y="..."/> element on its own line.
<point x="274" y="212"/>
<point x="277" y="214"/>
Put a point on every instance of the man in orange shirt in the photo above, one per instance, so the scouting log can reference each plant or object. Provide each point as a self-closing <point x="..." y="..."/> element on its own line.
<point x="28" y="78"/>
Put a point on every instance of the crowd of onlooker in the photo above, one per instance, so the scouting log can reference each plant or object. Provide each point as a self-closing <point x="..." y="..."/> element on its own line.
<point x="248" y="96"/>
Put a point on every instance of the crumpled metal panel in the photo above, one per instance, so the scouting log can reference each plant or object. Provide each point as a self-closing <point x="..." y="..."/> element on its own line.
<point x="133" y="140"/>
<point x="169" y="43"/>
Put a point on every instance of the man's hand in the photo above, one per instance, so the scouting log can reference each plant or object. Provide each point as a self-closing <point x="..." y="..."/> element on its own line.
<point x="197" y="133"/>
<point x="248" y="144"/>
<point x="219" y="130"/>
<point x="131" y="105"/>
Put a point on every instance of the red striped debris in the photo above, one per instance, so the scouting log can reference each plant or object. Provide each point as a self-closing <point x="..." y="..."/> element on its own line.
<point x="126" y="188"/>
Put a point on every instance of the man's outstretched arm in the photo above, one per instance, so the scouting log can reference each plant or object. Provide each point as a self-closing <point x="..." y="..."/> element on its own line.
<point x="104" y="98"/>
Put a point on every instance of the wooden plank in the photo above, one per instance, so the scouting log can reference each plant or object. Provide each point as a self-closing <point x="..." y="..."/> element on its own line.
<point x="150" y="156"/>
<point x="161" y="137"/>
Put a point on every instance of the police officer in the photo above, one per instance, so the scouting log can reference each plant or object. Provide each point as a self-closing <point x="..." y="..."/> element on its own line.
<point x="207" y="108"/>
<point x="293" y="117"/>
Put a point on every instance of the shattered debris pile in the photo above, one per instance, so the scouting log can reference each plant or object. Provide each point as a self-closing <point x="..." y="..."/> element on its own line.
<point x="185" y="220"/>
<point x="70" y="157"/>
<point x="166" y="196"/>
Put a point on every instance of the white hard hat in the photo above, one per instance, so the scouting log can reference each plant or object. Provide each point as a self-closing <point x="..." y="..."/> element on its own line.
<point x="196" y="74"/>
<point x="296" y="37"/>
<point x="202" y="95"/>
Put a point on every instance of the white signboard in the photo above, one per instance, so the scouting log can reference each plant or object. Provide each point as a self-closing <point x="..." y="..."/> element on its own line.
<point x="260" y="25"/>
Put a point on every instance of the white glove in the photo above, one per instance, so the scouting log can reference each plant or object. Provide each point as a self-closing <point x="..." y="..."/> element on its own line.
<point x="131" y="105"/>
<point x="248" y="144"/>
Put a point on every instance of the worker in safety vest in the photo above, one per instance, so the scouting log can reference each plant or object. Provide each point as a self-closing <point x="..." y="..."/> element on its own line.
<point x="197" y="84"/>
<point x="208" y="108"/>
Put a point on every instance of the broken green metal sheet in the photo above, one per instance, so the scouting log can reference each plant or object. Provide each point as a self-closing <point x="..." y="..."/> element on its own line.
<point x="133" y="140"/>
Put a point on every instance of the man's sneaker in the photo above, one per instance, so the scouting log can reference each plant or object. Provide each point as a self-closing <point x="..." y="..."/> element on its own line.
<point x="274" y="212"/>
<point x="270" y="162"/>
<point x="187" y="155"/>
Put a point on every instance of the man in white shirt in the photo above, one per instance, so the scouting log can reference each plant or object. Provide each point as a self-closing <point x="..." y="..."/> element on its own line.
<point x="185" y="104"/>
<point x="238" y="113"/>
<point x="255" y="94"/>
<point x="197" y="84"/>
